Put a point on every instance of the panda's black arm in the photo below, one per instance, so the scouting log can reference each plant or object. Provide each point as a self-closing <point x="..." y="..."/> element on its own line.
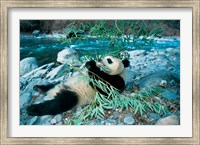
<point x="114" y="80"/>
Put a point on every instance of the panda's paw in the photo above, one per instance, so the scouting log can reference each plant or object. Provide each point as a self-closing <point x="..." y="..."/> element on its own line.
<point x="34" y="110"/>
<point x="90" y="64"/>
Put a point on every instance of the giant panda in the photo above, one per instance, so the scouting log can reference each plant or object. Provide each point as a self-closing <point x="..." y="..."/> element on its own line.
<point x="76" y="90"/>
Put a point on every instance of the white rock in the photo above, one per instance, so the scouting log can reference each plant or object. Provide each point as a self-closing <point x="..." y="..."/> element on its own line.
<point x="130" y="75"/>
<point x="135" y="53"/>
<point x="169" y="49"/>
<point x="28" y="64"/>
<point x="36" y="32"/>
<point x="44" y="120"/>
<point x="25" y="98"/>
<point x="169" y="94"/>
<point x="163" y="83"/>
<point x="129" y="119"/>
<point x="32" y="120"/>
<point x="58" y="117"/>
<point x="79" y="110"/>
<point x="110" y="121"/>
<point x="67" y="56"/>
<point x="59" y="123"/>
<point x="56" y="72"/>
<point x="37" y="73"/>
<point x="169" y="120"/>
<point x="53" y="121"/>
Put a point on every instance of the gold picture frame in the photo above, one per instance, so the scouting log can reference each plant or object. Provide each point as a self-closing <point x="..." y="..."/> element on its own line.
<point x="4" y="88"/>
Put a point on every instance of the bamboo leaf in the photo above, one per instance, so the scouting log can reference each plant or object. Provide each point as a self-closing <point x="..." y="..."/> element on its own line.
<point x="136" y="109"/>
<point x="141" y="111"/>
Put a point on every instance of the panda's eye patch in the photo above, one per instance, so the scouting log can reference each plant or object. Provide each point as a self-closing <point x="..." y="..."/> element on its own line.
<point x="109" y="61"/>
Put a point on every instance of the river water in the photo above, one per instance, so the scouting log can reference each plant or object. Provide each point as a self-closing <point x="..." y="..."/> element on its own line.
<point x="46" y="47"/>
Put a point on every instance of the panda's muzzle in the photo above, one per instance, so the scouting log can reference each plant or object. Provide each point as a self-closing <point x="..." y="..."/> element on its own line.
<point x="100" y="64"/>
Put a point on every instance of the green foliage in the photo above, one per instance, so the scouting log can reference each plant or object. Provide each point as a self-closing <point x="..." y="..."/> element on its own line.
<point x="118" y="34"/>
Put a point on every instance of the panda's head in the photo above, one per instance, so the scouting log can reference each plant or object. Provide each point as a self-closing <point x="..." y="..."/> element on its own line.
<point x="113" y="65"/>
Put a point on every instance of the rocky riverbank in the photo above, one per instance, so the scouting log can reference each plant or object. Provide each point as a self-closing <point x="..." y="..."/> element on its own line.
<point x="154" y="68"/>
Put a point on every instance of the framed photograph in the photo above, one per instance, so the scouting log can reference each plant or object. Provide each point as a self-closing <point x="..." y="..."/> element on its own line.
<point x="100" y="72"/>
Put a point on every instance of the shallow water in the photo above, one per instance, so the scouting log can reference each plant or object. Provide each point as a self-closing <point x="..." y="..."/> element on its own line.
<point x="45" y="48"/>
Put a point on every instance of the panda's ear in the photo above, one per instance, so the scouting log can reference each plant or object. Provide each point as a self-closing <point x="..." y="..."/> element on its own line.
<point x="126" y="62"/>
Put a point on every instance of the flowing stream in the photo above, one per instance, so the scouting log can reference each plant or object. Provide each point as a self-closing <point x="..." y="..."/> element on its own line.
<point x="46" y="47"/>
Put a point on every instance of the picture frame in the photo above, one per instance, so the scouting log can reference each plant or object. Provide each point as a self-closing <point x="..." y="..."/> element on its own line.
<point x="4" y="88"/>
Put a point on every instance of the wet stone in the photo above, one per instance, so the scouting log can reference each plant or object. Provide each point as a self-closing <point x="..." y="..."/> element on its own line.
<point x="25" y="98"/>
<point x="103" y="122"/>
<point x="130" y="75"/>
<point x="44" y="120"/>
<point x="58" y="117"/>
<point x="55" y="72"/>
<point x="154" y="116"/>
<point x="53" y="121"/>
<point x="67" y="56"/>
<point x="32" y="120"/>
<point x="169" y="95"/>
<point x="22" y="120"/>
<point x="95" y="122"/>
<point x="116" y="115"/>
<point x="27" y="65"/>
<point x="110" y="121"/>
<point x="59" y="123"/>
<point x="135" y="53"/>
<point x="128" y="119"/>
<point x="79" y="110"/>
<point x="163" y="83"/>
<point x="120" y="123"/>
<point x="169" y="120"/>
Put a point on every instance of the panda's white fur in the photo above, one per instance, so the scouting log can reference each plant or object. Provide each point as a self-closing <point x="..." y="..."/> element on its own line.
<point x="80" y="86"/>
<point x="115" y="68"/>
<point x="77" y="84"/>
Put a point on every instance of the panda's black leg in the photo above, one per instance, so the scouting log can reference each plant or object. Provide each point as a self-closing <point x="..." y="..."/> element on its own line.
<point x="64" y="100"/>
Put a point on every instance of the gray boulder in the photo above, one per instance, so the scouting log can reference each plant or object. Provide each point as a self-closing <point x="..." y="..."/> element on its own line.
<point x="36" y="33"/>
<point x="28" y="64"/>
<point x="110" y="121"/>
<point x="95" y="122"/>
<point x="135" y="53"/>
<point x="25" y="98"/>
<point x="44" y="120"/>
<point x="154" y="79"/>
<point x="58" y="117"/>
<point x="168" y="94"/>
<point x="58" y="71"/>
<point x="67" y="56"/>
<point x="128" y="119"/>
<point x="32" y="120"/>
<point x="130" y="75"/>
<point x="172" y="52"/>
<point x="169" y="120"/>
<point x="53" y="121"/>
